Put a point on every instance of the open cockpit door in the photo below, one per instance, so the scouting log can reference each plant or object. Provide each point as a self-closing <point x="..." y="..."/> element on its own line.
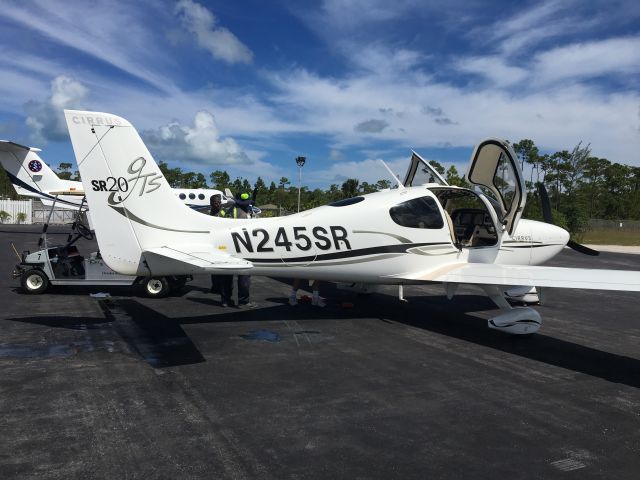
<point x="494" y="168"/>
<point x="421" y="172"/>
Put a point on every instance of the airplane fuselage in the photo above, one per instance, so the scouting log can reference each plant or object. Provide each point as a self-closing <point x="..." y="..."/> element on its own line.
<point x="356" y="241"/>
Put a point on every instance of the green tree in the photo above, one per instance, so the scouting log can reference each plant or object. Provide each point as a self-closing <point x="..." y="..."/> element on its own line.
<point x="6" y="188"/>
<point x="437" y="166"/>
<point x="64" y="171"/>
<point x="236" y="186"/>
<point x="383" y="184"/>
<point x="367" y="188"/>
<point x="350" y="188"/>
<point x="173" y="175"/>
<point x="454" y="178"/>
<point x="220" y="180"/>
<point x="284" y="181"/>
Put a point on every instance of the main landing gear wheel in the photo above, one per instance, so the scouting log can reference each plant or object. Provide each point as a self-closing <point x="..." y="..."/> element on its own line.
<point x="34" y="281"/>
<point x="156" y="287"/>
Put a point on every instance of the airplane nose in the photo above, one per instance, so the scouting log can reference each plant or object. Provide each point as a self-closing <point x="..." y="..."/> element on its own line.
<point x="551" y="238"/>
<point x="554" y="235"/>
<point x="558" y="235"/>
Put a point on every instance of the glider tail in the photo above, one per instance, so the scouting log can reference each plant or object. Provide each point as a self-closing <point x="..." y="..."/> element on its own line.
<point x="136" y="215"/>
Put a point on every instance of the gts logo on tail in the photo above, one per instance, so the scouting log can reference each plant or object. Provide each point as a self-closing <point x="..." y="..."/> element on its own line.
<point x="121" y="188"/>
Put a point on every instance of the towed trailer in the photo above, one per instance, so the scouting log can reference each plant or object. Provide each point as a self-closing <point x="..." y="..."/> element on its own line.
<point x="64" y="265"/>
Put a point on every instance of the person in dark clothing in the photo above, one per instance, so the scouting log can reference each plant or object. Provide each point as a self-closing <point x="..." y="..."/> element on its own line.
<point x="220" y="283"/>
<point x="241" y="209"/>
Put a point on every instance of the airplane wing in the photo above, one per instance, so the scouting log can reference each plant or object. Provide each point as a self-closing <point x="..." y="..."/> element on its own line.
<point x="167" y="260"/>
<point x="534" y="276"/>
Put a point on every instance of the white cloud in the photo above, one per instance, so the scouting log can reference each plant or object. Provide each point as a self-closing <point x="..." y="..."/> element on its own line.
<point x="116" y="36"/>
<point x="200" y="143"/>
<point x="494" y="69"/>
<point x="541" y="22"/>
<point x="589" y="59"/>
<point x="220" y="42"/>
<point x="46" y="118"/>
<point x="370" y="170"/>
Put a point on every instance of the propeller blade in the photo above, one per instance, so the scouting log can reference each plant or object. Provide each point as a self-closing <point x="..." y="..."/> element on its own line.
<point x="545" y="203"/>
<point x="582" y="249"/>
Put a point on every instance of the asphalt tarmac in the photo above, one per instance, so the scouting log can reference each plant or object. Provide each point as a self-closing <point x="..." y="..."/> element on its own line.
<point x="130" y="387"/>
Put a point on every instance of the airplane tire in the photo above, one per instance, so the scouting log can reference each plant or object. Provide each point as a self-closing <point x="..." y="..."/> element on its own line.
<point x="34" y="281"/>
<point x="156" y="287"/>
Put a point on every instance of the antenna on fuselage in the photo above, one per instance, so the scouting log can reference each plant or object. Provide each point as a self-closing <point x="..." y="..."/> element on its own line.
<point x="400" y="185"/>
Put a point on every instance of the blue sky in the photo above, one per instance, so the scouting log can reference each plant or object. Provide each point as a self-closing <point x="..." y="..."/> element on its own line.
<point x="247" y="86"/>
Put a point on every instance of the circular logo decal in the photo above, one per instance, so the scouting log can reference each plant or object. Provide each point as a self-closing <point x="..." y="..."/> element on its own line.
<point x="35" y="166"/>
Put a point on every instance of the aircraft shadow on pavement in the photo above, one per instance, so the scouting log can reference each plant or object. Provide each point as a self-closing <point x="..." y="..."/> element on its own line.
<point x="438" y="316"/>
<point x="161" y="341"/>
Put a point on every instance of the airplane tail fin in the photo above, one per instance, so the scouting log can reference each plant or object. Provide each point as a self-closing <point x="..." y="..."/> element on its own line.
<point x="137" y="217"/>
<point x="28" y="173"/>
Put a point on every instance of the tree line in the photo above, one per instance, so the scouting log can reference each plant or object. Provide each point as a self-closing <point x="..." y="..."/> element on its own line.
<point x="581" y="186"/>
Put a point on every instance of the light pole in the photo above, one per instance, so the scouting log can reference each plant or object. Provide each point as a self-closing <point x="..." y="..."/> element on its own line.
<point x="300" y="162"/>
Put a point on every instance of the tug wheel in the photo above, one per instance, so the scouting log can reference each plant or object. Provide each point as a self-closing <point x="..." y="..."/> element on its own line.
<point x="156" y="287"/>
<point x="34" y="281"/>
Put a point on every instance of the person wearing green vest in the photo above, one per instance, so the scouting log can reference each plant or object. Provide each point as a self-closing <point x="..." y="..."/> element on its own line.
<point x="240" y="209"/>
<point x="215" y="201"/>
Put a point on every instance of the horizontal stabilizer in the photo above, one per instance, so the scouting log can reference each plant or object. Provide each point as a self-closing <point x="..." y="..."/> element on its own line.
<point x="172" y="261"/>
<point x="77" y="193"/>
<point x="534" y="276"/>
<point x="8" y="146"/>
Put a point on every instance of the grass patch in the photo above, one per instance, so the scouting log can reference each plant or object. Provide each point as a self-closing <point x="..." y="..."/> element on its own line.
<point x="611" y="237"/>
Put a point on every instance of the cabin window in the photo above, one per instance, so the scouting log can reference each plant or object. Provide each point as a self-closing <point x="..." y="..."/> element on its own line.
<point x="201" y="196"/>
<point x="182" y="196"/>
<point x="346" y="201"/>
<point x="192" y="196"/>
<point x="417" y="213"/>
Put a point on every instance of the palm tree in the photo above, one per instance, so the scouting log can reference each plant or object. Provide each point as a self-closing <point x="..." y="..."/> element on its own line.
<point x="350" y="188"/>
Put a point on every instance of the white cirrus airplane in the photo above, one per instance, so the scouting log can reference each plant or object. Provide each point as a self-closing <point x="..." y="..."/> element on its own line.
<point x="32" y="177"/>
<point x="410" y="235"/>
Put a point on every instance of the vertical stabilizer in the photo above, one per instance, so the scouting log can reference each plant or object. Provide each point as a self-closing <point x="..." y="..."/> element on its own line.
<point x="32" y="177"/>
<point x="133" y="208"/>
<point x="27" y="171"/>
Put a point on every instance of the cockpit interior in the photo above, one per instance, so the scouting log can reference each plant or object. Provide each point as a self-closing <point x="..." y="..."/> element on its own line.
<point x="469" y="219"/>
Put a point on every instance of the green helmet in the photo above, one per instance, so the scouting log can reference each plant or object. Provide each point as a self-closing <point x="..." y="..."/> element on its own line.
<point x="244" y="196"/>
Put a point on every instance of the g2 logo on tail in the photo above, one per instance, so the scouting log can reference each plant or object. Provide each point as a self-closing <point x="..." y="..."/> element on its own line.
<point x="121" y="188"/>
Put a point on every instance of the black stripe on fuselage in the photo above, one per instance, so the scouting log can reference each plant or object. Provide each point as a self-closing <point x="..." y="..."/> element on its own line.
<point x="402" y="248"/>
<point x="533" y="246"/>
<point x="16" y="181"/>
